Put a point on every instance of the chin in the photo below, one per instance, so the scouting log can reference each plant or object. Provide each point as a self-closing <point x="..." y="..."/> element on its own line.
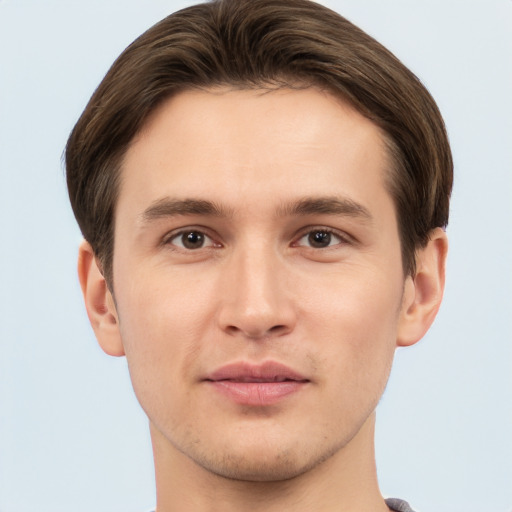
<point x="255" y="465"/>
<point x="246" y="470"/>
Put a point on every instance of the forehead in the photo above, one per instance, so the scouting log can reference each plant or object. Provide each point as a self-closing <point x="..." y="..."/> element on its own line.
<point x="225" y="144"/>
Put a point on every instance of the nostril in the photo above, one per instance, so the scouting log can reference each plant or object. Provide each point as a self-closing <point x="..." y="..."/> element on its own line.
<point x="231" y="329"/>
<point x="277" y="328"/>
<point x="256" y="333"/>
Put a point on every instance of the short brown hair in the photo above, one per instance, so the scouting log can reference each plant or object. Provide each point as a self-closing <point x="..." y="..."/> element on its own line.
<point x="250" y="44"/>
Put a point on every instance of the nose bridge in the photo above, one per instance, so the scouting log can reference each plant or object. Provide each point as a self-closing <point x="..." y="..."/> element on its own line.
<point x="258" y="279"/>
<point x="256" y="303"/>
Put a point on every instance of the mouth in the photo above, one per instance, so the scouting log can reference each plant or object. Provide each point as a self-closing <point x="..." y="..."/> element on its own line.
<point x="256" y="385"/>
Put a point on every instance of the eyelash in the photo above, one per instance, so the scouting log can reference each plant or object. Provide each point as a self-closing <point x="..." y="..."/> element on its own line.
<point x="171" y="237"/>
<point x="342" y="237"/>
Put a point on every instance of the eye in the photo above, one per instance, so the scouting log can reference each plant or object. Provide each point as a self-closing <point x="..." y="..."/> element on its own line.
<point x="320" y="239"/>
<point x="190" y="240"/>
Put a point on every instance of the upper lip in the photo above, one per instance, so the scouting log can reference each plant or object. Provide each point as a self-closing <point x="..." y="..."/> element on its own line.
<point x="269" y="371"/>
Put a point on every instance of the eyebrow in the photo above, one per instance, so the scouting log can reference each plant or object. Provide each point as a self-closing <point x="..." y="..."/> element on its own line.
<point x="169" y="207"/>
<point x="326" y="206"/>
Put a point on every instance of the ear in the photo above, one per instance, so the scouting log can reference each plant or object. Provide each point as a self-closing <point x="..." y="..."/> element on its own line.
<point x="424" y="291"/>
<point x="99" y="302"/>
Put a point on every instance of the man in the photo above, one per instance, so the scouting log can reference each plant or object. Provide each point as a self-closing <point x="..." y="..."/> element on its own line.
<point x="262" y="190"/>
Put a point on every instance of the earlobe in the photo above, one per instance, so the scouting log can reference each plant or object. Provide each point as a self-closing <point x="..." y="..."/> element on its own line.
<point x="424" y="291"/>
<point x="99" y="302"/>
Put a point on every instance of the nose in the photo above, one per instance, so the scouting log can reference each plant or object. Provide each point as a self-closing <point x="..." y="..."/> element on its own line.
<point x="256" y="302"/>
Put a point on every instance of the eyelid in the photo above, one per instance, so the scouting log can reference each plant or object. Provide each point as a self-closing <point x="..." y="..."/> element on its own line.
<point x="342" y="235"/>
<point x="168" y="238"/>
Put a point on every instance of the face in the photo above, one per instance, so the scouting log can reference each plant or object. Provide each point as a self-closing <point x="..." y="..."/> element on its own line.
<point x="257" y="277"/>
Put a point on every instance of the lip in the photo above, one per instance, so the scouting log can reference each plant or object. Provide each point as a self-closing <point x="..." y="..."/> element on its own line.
<point x="256" y="385"/>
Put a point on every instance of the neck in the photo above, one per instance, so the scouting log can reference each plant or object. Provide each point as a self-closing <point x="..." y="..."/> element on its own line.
<point x="346" y="481"/>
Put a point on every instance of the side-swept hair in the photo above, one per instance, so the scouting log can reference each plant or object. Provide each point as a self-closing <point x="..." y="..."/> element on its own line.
<point x="253" y="44"/>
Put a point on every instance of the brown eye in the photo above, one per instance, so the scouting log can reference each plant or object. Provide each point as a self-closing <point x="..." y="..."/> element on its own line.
<point x="191" y="240"/>
<point x="320" y="239"/>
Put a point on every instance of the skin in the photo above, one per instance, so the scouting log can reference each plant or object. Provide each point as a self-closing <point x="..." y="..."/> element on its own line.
<point x="260" y="288"/>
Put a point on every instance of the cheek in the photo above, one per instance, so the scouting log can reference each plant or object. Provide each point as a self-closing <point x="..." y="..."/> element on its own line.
<point x="162" y="322"/>
<point x="162" y="306"/>
<point x="358" y="319"/>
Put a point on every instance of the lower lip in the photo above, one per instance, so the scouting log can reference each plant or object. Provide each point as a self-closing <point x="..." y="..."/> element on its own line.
<point x="257" y="393"/>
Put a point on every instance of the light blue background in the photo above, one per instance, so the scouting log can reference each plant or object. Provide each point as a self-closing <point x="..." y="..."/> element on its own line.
<point x="72" y="437"/>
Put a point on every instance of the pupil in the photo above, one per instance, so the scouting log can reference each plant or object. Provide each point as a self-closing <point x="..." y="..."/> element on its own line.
<point x="193" y="240"/>
<point x="319" y="238"/>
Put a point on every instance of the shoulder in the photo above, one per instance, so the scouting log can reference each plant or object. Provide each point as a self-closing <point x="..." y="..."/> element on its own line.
<point x="397" y="505"/>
